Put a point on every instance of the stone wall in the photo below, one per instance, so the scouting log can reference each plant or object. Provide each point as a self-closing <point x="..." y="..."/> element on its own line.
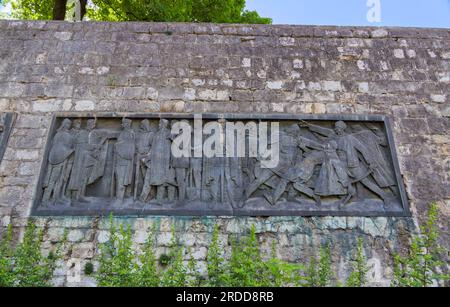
<point x="48" y="67"/>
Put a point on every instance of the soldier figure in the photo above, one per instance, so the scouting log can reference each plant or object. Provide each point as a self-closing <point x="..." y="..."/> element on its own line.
<point x="278" y="178"/>
<point x="98" y="150"/>
<point x="194" y="178"/>
<point x="213" y="179"/>
<point x="124" y="159"/>
<point x="375" y="140"/>
<point x="93" y="165"/>
<point x="58" y="170"/>
<point x="81" y="139"/>
<point x="144" y="138"/>
<point x="181" y="169"/>
<point x="160" y="174"/>
<point x="348" y="147"/>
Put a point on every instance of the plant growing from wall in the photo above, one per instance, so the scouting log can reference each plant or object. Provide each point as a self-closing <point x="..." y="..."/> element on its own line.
<point x="26" y="265"/>
<point x="6" y="259"/>
<point x="176" y="274"/>
<point x="88" y="268"/>
<point x="281" y="273"/>
<point x="419" y="268"/>
<point x="122" y="265"/>
<point x="358" y="275"/>
<point x="118" y="267"/>
<point x="148" y="271"/>
<point x="195" y="279"/>
<point x="215" y="262"/>
<point x="319" y="273"/>
<point x="246" y="268"/>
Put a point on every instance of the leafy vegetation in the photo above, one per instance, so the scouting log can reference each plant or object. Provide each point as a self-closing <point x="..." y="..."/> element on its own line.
<point x="30" y="9"/>
<point x="122" y="264"/>
<point x="25" y="265"/>
<point x="119" y="267"/>
<point x="320" y="273"/>
<point x="358" y="276"/>
<point x="420" y="267"/>
<point x="224" y="11"/>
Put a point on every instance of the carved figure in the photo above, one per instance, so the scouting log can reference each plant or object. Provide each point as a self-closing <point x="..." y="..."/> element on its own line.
<point x="61" y="149"/>
<point x="159" y="174"/>
<point x="193" y="191"/>
<point x="81" y="140"/>
<point x="124" y="159"/>
<point x="213" y="179"/>
<point x="349" y="150"/>
<point x="98" y="150"/>
<point x="319" y="164"/>
<point x="144" y="138"/>
<point x="181" y="168"/>
<point x="374" y="139"/>
<point x="278" y="178"/>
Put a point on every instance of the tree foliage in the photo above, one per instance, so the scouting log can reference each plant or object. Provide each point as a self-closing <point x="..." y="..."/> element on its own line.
<point x="224" y="11"/>
<point x="31" y="9"/>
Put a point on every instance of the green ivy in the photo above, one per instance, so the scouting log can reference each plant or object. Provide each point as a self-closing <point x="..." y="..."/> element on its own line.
<point x="282" y="273"/>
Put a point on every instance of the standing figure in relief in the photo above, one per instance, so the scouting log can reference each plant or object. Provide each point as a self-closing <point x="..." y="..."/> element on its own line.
<point x="160" y="175"/>
<point x="213" y="179"/>
<point x="194" y="178"/>
<point x="374" y="139"/>
<point x="181" y="169"/>
<point x="98" y="150"/>
<point x="61" y="149"/>
<point x="93" y="165"/>
<point x="333" y="179"/>
<point x="144" y="138"/>
<point x="124" y="159"/>
<point x="81" y="139"/>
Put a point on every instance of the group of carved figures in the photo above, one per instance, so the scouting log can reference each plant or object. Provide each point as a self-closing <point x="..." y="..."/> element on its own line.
<point x="335" y="162"/>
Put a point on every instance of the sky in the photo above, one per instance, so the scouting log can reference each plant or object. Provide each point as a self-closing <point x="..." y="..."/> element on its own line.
<point x="402" y="13"/>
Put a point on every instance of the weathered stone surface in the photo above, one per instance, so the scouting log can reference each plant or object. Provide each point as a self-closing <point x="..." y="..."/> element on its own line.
<point x="399" y="72"/>
<point x="332" y="186"/>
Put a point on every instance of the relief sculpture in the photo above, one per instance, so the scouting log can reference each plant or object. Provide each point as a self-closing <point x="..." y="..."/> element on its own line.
<point x="127" y="165"/>
<point x="6" y="123"/>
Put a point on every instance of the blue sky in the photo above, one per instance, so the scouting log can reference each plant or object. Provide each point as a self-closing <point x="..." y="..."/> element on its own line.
<point x="405" y="13"/>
